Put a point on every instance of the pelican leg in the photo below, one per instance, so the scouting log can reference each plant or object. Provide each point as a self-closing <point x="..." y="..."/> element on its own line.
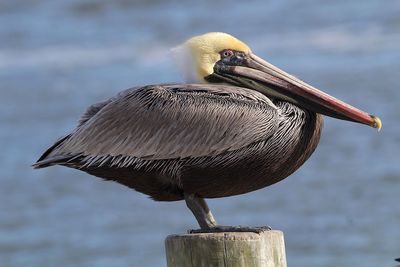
<point x="201" y="211"/>
<point x="206" y="220"/>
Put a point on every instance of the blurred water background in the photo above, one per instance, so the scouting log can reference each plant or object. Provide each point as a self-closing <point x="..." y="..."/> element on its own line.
<point x="57" y="57"/>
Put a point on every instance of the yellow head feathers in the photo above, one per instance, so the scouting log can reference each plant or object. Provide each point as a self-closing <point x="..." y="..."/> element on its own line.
<point x="202" y="52"/>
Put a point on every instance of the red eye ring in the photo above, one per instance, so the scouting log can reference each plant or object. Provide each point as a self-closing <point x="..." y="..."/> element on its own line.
<point x="227" y="53"/>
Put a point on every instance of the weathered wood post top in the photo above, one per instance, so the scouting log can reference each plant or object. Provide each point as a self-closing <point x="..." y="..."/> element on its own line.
<point x="226" y="249"/>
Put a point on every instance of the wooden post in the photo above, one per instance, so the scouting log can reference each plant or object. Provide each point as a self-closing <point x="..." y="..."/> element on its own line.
<point x="225" y="249"/>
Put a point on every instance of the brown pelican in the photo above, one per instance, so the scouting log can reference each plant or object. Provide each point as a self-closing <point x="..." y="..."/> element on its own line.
<point x="245" y="125"/>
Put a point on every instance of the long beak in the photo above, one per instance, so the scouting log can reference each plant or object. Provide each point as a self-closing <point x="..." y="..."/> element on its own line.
<point x="256" y="73"/>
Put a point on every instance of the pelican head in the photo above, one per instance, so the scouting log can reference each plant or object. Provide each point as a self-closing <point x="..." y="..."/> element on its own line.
<point x="217" y="57"/>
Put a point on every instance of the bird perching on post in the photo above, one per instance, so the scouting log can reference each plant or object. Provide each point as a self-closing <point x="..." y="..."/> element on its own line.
<point x="243" y="126"/>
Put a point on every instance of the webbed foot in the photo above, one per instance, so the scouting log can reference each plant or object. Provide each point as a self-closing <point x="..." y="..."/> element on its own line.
<point x="223" y="228"/>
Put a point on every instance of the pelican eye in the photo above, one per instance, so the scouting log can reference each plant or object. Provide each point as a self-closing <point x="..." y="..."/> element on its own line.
<point x="232" y="57"/>
<point x="226" y="53"/>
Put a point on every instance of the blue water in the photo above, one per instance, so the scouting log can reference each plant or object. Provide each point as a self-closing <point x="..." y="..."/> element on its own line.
<point x="57" y="57"/>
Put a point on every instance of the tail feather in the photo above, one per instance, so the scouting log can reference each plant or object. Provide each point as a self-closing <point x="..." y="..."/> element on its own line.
<point x="51" y="161"/>
<point x="48" y="160"/>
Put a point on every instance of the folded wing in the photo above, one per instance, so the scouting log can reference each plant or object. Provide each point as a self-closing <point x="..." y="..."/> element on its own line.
<point x="160" y="122"/>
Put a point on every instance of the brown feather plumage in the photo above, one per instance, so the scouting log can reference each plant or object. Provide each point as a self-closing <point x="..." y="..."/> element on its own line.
<point x="210" y="140"/>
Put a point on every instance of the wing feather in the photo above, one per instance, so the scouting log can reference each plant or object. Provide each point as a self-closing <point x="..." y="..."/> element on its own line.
<point x="173" y="121"/>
